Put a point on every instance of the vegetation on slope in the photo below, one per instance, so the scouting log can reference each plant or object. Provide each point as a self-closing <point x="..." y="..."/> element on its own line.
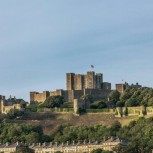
<point x="132" y="97"/>
<point x="139" y="134"/>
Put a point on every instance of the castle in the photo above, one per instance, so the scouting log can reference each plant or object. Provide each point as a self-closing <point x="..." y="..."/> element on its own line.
<point x="77" y="85"/>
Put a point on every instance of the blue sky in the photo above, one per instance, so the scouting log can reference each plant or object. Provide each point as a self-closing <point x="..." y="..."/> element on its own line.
<point x="41" y="40"/>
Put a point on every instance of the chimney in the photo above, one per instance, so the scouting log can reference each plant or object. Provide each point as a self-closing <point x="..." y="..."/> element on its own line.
<point x="7" y="144"/>
<point x="44" y="144"/>
<point x="17" y="143"/>
<point x="78" y="141"/>
<point x="73" y="142"/>
<point x="89" y="141"/>
<point x="84" y="142"/>
<point x="104" y="138"/>
<point x="51" y="143"/>
<point x="112" y="138"/>
<point x="39" y="144"/>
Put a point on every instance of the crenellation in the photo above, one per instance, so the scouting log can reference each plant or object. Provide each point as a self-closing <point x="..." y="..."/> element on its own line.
<point x="121" y="87"/>
<point x="38" y="97"/>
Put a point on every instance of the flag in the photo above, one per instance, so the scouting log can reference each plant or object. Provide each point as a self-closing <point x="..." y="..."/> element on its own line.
<point x="92" y="66"/>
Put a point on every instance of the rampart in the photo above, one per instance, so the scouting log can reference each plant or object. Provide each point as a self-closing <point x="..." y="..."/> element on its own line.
<point x="69" y="95"/>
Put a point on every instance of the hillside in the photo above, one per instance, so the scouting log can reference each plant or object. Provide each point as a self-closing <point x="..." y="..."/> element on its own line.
<point x="52" y="120"/>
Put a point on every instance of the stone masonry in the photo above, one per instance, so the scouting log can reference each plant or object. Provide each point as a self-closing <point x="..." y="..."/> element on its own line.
<point x="77" y="85"/>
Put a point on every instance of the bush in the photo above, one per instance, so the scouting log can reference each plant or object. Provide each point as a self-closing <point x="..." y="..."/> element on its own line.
<point x="53" y="101"/>
<point x="14" y="113"/>
<point x="125" y="111"/>
<point x="120" y="104"/>
<point x="98" y="104"/>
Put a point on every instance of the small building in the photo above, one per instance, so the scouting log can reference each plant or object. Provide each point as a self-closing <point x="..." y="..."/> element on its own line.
<point x="112" y="142"/>
<point x="9" y="148"/>
<point x="78" y="147"/>
<point x="7" y="104"/>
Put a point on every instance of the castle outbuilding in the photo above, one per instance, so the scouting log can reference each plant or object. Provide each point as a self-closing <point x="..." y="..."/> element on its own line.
<point x="7" y="104"/>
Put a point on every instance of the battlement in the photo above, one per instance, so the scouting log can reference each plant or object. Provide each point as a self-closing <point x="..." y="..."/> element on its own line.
<point x="38" y="97"/>
<point x="121" y="87"/>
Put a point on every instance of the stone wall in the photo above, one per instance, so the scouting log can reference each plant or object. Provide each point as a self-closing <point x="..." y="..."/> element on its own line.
<point x="38" y="97"/>
<point x="69" y="95"/>
<point x="133" y="111"/>
<point x="97" y="94"/>
<point x="78" y="103"/>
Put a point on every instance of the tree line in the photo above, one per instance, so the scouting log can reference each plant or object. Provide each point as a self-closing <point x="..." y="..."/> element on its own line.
<point x="132" y="97"/>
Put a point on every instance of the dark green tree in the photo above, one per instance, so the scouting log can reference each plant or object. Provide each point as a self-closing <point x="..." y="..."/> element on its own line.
<point x="125" y="111"/>
<point x="114" y="96"/>
<point x="53" y="101"/>
<point x="100" y="151"/>
<point x="87" y="97"/>
<point x="14" y="113"/>
<point x="120" y="104"/>
<point x="131" y="102"/>
<point x="24" y="149"/>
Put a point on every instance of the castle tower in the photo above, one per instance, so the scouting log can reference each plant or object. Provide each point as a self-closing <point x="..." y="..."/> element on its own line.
<point x="45" y="95"/>
<point x="78" y="82"/>
<point x="99" y="80"/>
<point x="90" y="80"/>
<point x="120" y="87"/>
<point x="70" y="81"/>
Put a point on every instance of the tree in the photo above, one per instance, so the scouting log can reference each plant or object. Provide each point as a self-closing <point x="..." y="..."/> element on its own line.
<point x="98" y="104"/>
<point x="87" y="97"/>
<point x="97" y="151"/>
<point x="114" y="96"/>
<point x="125" y="111"/>
<point x="33" y="137"/>
<point x="53" y="101"/>
<point x="131" y="102"/>
<point x="100" y="151"/>
<point x="14" y="113"/>
<point x="150" y="102"/>
<point x="120" y="104"/>
<point x="102" y="105"/>
<point x="24" y="149"/>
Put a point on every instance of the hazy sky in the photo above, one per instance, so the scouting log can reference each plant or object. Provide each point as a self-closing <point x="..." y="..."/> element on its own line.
<point x="41" y="40"/>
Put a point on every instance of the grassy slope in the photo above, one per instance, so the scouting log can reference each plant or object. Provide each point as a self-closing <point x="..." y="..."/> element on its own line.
<point x="49" y="121"/>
